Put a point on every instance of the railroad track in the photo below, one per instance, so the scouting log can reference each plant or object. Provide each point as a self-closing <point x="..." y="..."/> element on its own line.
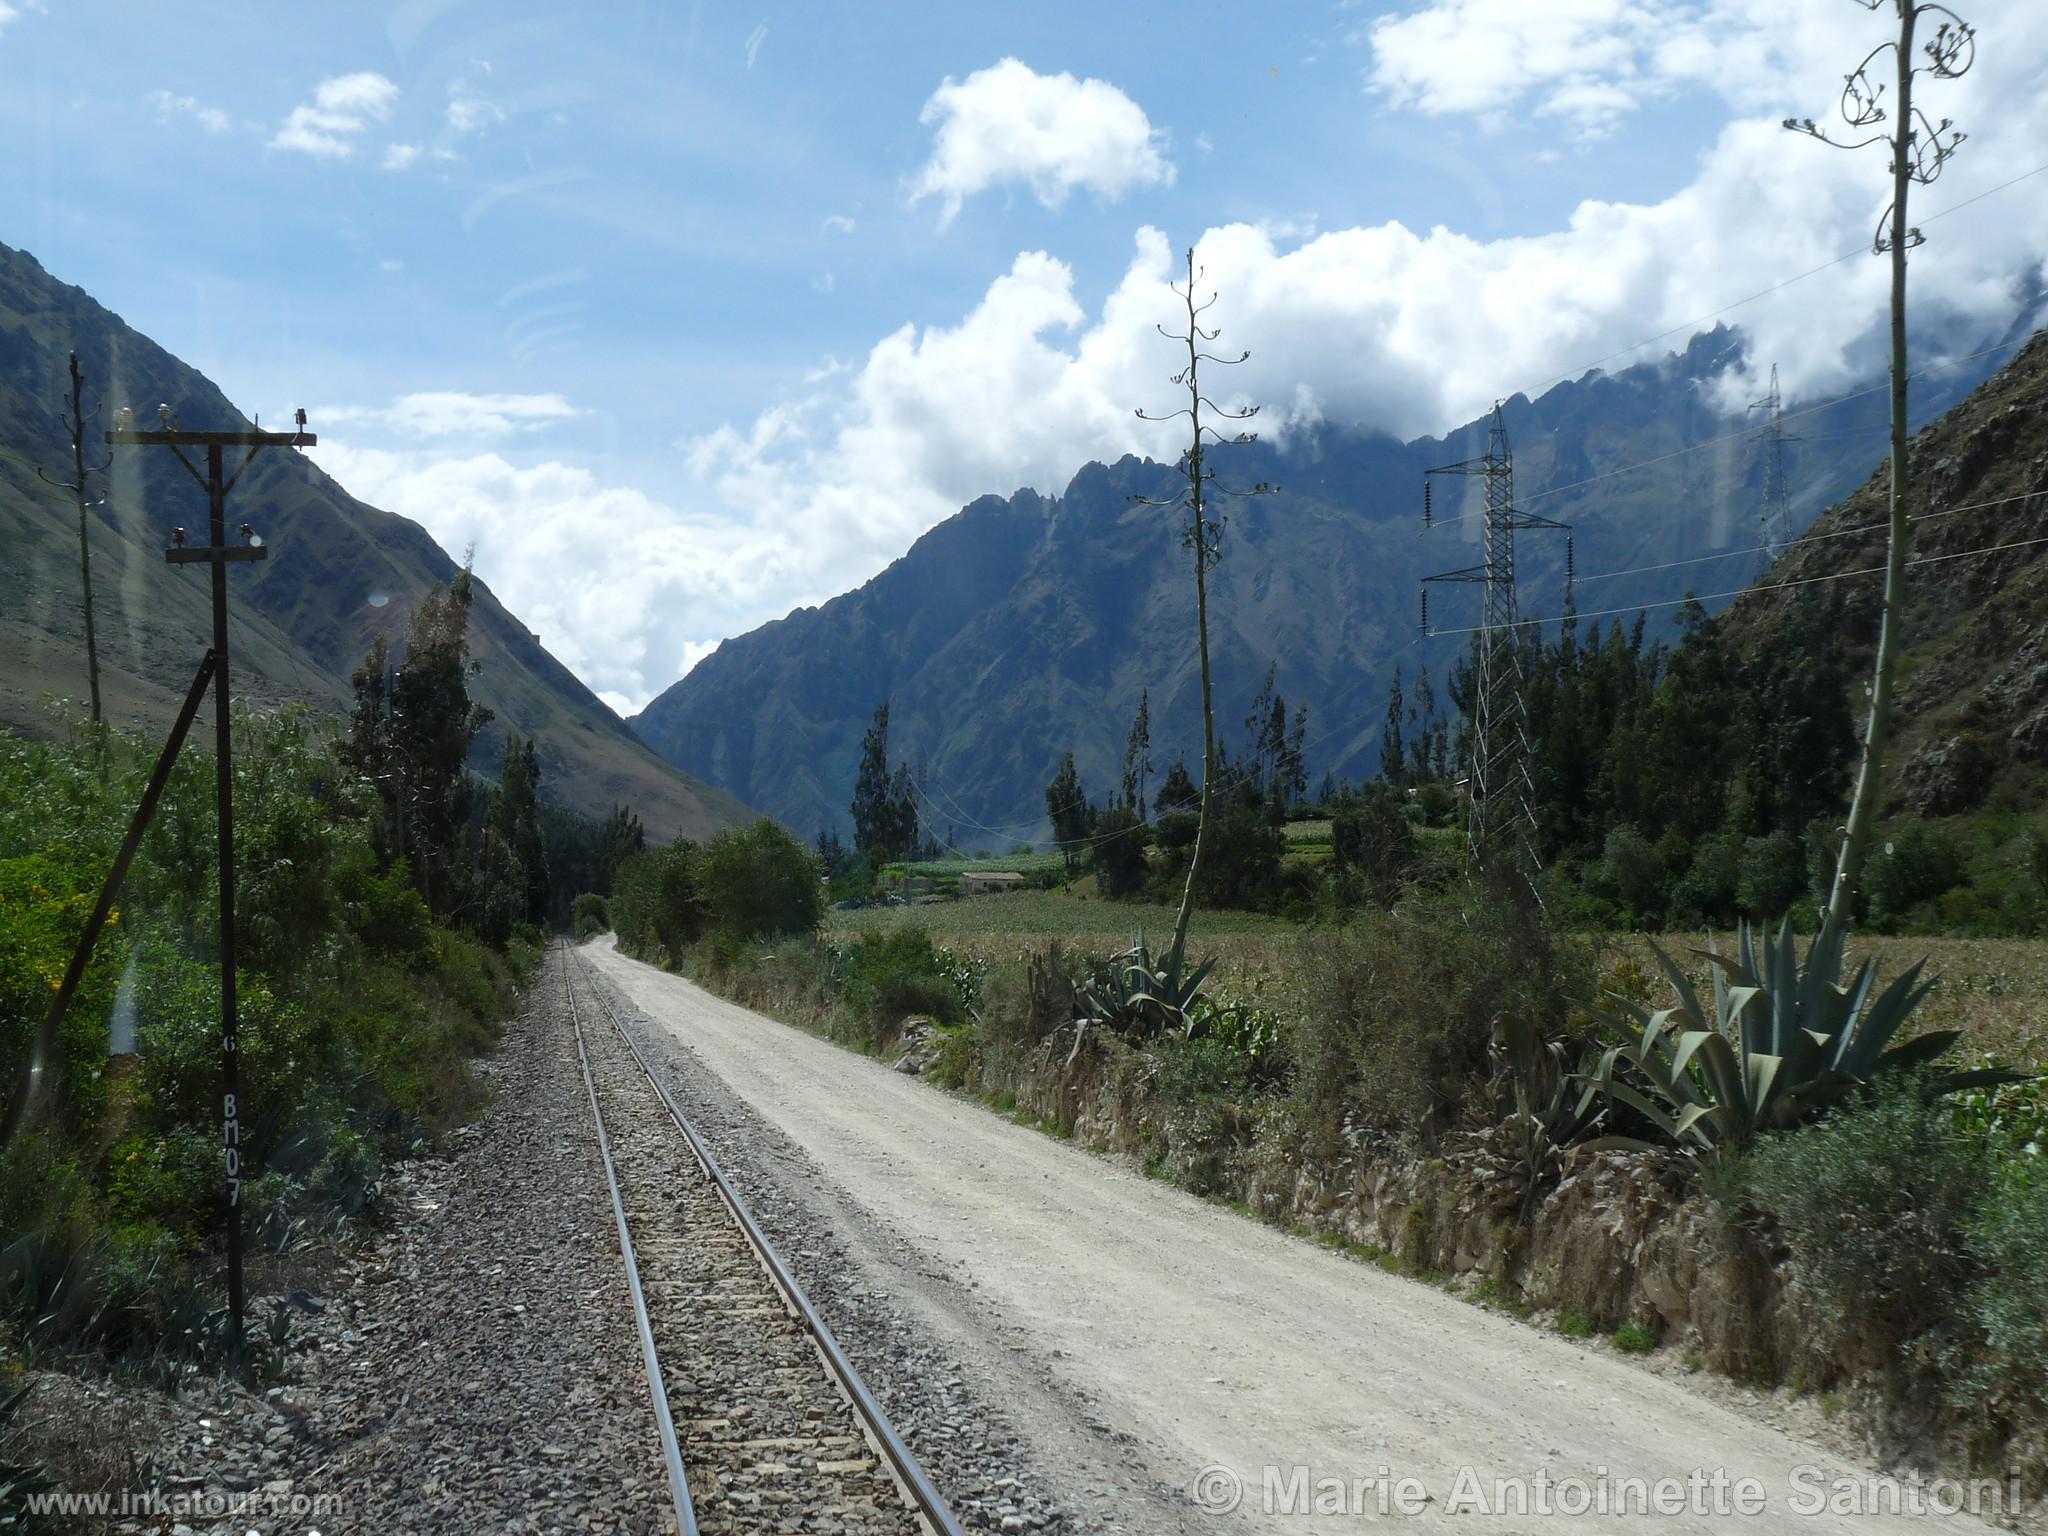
<point x="764" y="1423"/>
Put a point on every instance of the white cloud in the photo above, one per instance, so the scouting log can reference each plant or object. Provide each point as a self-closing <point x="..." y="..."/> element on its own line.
<point x="13" y="10"/>
<point x="470" y="111"/>
<point x="1391" y="327"/>
<point x="398" y="157"/>
<point x="621" y="587"/>
<point x="1593" y="62"/>
<point x="838" y="224"/>
<point x="453" y="413"/>
<point x="1054" y="133"/>
<point x="341" y="110"/>
<point x="167" y="106"/>
<point x="755" y="39"/>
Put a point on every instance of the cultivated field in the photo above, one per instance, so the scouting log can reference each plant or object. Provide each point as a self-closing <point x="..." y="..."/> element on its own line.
<point x="1994" y="990"/>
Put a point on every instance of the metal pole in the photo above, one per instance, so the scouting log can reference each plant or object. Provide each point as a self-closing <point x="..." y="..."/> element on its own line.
<point x="224" y="799"/>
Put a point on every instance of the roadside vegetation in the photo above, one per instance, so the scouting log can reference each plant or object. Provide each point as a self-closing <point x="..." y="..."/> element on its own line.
<point x="1358" y="1008"/>
<point x="388" y="911"/>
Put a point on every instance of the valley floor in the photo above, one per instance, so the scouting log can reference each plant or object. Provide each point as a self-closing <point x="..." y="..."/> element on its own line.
<point x="1153" y="1350"/>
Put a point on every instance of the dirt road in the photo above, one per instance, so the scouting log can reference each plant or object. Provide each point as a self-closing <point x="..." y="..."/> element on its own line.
<point x="1196" y="1349"/>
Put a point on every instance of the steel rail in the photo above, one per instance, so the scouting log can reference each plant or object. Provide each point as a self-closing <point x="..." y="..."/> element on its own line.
<point x="671" y="1448"/>
<point x="930" y="1504"/>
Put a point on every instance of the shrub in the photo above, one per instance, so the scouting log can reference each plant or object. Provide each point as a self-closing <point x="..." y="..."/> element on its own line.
<point x="1916" y="863"/>
<point x="759" y="882"/>
<point x="657" y="906"/>
<point x="1707" y="891"/>
<point x="589" y="915"/>
<point x="1241" y="857"/>
<point x="1873" y="1203"/>
<point x="2008" y="1307"/>
<point x="890" y="976"/>
<point x="1402" y="1006"/>
<point x="1376" y="840"/>
<point x="1636" y="870"/>
<point x="1773" y="875"/>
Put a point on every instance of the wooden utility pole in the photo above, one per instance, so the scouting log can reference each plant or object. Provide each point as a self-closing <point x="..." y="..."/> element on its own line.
<point x="219" y="554"/>
<point x="75" y="426"/>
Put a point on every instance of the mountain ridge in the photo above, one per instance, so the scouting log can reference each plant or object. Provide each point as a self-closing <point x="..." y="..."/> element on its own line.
<point x="301" y="620"/>
<point x="1025" y="625"/>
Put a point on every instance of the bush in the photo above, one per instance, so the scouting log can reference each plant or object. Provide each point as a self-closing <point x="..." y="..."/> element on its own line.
<point x="657" y="906"/>
<point x="1241" y="857"/>
<point x="1402" y="1007"/>
<point x="1376" y="840"/>
<point x="1706" y="892"/>
<point x="588" y="915"/>
<point x="759" y="882"/>
<point x="1636" y="870"/>
<point x="891" y="976"/>
<point x="1917" y="862"/>
<point x="1873" y="1203"/>
<point x="1773" y="875"/>
<point x="2007" y="1359"/>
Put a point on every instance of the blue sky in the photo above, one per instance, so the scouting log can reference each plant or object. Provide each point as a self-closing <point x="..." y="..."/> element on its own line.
<point x="687" y="314"/>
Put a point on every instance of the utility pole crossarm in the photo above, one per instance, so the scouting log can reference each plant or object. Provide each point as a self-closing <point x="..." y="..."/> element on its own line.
<point x="253" y="438"/>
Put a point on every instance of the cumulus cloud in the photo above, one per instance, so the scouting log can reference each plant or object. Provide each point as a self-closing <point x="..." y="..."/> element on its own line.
<point x="1593" y="62"/>
<point x="168" y="106"/>
<point x="838" y="224"/>
<point x="1007" y="123"/>
<point x="454" y="413"/>
<point x="341" y="110"/>
<point x="629" y="611"/>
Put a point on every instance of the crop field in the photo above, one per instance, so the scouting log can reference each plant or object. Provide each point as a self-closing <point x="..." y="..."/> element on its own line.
<point x="1994" y="990"/>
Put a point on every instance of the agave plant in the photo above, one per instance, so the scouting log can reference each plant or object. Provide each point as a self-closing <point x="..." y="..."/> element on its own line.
<point x="1137" y="997"/>
<point x="1539" y="1108"/>
<point x="1784" y="1042"/>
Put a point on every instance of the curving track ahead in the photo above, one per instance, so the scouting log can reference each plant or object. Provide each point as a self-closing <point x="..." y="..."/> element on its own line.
<point x="764" y="1422"/>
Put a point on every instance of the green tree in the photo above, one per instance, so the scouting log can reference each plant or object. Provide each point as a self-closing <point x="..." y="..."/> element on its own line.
<point x="1138" y="755"/>
<point x="1119" y="853"/>
<point x="1393" y="751"/>
<point x="1066" y="806"/>
<point x="884" y="803"/>
<point x="759" y="882"/>
<point x="410" y="734"/>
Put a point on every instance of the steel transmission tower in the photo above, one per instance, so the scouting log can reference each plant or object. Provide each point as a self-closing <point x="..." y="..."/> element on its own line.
<point x="1774" y="518"/>
<point x="1502" y="797"/>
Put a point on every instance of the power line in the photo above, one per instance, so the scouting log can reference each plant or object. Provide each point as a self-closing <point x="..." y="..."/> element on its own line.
<point x="1771" y="586"/>
<point x="1811" y="538"/>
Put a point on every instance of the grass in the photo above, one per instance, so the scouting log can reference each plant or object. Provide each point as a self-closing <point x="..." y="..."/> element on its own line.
<point x="1017" y="920"/>
<point x="1016" y="863"/>
<point x="1634" y="1339"/>
<point x="1575" y="1325"/>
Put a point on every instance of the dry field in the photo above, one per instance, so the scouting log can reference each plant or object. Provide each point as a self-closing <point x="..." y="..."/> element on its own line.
<point x="1994" y="990"/>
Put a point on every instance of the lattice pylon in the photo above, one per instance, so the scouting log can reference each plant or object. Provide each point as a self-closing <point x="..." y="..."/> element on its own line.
<point x="1501" y="814"/>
